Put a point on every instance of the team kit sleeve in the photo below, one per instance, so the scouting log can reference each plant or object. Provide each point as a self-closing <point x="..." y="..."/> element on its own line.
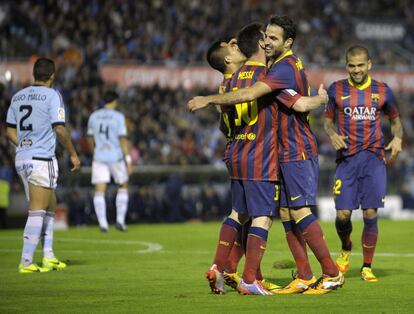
<point x="390" y="105"/>
<point x="330" y="106"/>
<point x="280" y="76"/>
<point x="57" y="110"/>
<point x="11" y="118"/>
<point x="288" y="97"/>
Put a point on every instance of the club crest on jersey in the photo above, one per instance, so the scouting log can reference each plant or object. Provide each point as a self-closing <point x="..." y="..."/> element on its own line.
<point x="375" y="97"/>
<point x="361" y="113"/>
<point x="26" y="143"/>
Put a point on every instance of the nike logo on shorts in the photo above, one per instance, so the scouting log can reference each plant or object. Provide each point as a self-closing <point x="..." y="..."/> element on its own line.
<point x="295" y="197"/>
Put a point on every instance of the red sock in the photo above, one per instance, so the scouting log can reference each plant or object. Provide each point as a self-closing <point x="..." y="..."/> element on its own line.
<point x="259" y="275"/>
<point x="236" y="254"/>
<point x="369" y="239"/>
<point x="297" y="246"/>
<point x="313" y="235"/>
<point x="226" y="240"/>
<point x="256" y="246"/>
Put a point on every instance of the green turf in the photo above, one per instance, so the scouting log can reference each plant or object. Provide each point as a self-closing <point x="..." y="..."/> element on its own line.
<point x="108" y="274"/>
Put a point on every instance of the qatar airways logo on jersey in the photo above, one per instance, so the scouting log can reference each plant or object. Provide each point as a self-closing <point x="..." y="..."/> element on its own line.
<point x="361" y="113"/>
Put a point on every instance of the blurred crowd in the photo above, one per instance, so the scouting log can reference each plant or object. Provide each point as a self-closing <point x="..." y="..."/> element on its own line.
<point x="80" y="35"/>
<point x="172" y="31"/>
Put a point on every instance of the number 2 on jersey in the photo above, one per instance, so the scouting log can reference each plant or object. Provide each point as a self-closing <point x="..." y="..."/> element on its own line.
<point x="337" y="187"/>
<point x="29" y="109"/>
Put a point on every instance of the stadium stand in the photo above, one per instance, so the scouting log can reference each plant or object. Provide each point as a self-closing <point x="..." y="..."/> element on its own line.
<point x="81" y="36"/>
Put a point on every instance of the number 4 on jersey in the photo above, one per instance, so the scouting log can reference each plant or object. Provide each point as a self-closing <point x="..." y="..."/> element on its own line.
<point x="104" y="130"/>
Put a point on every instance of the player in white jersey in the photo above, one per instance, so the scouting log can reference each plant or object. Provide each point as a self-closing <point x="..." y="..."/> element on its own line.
<point x="107" y="139"/>
<point x="35" y="118"/>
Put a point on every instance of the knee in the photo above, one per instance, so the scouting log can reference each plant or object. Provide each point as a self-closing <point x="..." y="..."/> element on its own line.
<point x="343" y="215"/>
<point x="241" y="219"/>
<point x="263" y="222"/>
<point x="370" y="213"/>
<point x="100" y="188"/>
<point x="123" y="186"/>
<point x="299" y="213"/>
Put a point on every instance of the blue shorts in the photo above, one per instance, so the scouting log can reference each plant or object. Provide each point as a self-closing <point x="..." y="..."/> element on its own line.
<point x="254" y="198"/>
<point x="299" y="183"/>
<point x="360" y="180"/>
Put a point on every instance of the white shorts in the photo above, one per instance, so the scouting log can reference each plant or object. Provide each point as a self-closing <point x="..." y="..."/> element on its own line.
<point x="102" y="172"/>
<point x="39" y="172"/>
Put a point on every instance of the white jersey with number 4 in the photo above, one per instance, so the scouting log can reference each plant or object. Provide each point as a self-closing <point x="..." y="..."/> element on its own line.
<point x="34" y="111"/>
<point x="106" y="126"/>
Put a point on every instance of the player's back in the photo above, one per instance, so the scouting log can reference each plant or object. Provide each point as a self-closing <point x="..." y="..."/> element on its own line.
<point x="34" y="111"/>
<point x="106" y="126"/>
<point x="252" y="155"/>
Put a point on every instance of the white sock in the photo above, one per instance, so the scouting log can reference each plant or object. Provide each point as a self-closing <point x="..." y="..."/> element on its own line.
<point x="121" y="205"/>
<point x="47" y="234"/>
<point x="31" y="235"/>
<point x="100" y="209"/>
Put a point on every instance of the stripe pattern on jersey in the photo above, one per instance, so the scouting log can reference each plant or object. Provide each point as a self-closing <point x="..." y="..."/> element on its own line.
<point x="357" y="113"/>
<point x="297" y="142"/>
<point x="252" y="155"/>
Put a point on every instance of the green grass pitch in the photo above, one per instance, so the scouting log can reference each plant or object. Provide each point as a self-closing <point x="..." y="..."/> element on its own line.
<point x="160" y="269"/>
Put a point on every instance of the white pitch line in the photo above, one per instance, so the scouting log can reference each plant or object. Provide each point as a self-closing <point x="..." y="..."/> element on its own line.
<point x="81" y="252"/>
<point x="155" y="247"/>
<point x="150" y="247"/>
<point x="205" y="252"/>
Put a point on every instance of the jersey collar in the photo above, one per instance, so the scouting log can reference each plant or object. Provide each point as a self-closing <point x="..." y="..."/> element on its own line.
<point x="228" y="75"/>
<point x="360" y="86"/>
<point x="255" y="63"/>
<point x="287" y="53"/>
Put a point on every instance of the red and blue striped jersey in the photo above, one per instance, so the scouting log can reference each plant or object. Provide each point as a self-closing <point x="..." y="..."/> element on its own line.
<point x="296" y="140"/>
<point x="356" y="111"/>
<point x="252" y="155"/>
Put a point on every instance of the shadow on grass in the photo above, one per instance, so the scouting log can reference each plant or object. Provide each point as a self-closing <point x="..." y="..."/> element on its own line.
<point x="75" y="262"/>
<point x="379" y="272"/>
<point x="281" y="281"/>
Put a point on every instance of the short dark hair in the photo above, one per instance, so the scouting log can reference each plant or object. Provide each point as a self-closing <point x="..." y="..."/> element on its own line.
<point x="248" y="38"/>
<point x="110" y="96"/>
<point x="43" y="69"/>
<point x="285" y="22"/>
<point x="215" y="57"/>
<point x="357" y="50"/>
